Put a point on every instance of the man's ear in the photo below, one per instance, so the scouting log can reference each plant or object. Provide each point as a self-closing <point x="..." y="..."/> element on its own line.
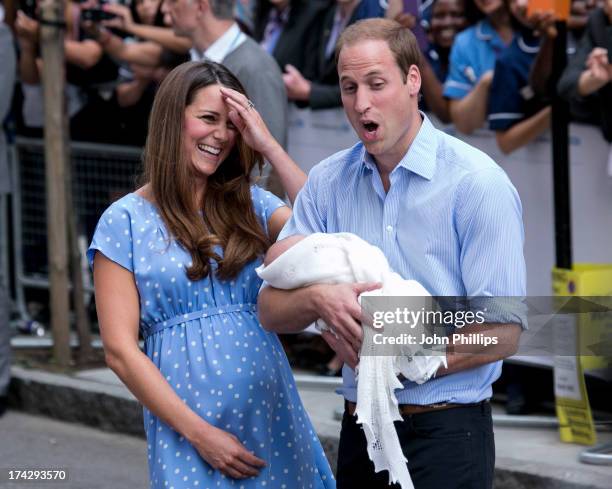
<point x="413" y="80"/>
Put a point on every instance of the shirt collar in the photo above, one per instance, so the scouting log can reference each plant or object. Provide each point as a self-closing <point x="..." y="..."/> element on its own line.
<point x="195" y="55"/>
<point x="230" y="40"/>
<point x="421" y="155"/>
<point x="281" y="17"/>
<point x="486" y="32"/>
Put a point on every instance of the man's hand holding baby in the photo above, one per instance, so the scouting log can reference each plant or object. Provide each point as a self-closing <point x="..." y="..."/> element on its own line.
<point x="322" y="269"/>
<point x="338" y="306"/>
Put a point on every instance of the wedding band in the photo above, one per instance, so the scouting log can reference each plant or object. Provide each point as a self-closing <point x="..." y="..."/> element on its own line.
<point x="250" y="104"/>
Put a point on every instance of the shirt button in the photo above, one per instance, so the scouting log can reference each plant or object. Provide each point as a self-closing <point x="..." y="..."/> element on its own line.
<point x="389" y="228"/>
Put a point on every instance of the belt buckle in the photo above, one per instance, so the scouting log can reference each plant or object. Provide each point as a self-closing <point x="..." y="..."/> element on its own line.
<point x="410" y="409"/>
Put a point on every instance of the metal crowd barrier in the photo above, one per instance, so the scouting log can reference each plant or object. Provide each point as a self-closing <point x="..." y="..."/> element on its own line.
<point x="100" y="174"/>
<point x="598" y="455"/>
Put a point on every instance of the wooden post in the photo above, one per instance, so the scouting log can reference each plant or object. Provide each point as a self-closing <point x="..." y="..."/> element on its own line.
<point x="56" y="158"/>
<point x="81" y="318"/>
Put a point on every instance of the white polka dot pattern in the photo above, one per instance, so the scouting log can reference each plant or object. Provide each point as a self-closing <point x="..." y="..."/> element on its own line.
<point x="206" y="340"/>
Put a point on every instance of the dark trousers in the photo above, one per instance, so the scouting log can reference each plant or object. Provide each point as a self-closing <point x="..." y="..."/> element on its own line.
<point x="452" y="448"/>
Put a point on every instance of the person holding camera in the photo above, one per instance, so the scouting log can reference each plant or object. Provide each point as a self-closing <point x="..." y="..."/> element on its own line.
<point x="143" y="62"/>
<point x="89" y="74"/>
<point x="146" y="36"/>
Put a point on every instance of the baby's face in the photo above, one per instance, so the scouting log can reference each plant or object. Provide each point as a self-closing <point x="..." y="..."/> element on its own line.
<point x="278" y="248"/>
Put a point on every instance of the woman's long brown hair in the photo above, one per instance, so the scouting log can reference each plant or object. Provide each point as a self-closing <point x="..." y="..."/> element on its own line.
<point x="228" y="218"/>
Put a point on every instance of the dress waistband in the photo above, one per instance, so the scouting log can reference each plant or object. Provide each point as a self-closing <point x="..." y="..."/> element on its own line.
<point x="148" y="330"/>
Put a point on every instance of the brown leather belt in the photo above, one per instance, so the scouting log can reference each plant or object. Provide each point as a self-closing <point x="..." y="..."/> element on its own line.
<point x="408" y="409"/>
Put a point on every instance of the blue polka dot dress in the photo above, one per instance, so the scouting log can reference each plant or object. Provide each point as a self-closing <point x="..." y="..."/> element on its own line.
<point x="206" y="340"/>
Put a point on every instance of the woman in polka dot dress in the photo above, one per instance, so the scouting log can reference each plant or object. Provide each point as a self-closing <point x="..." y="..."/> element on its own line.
<point x="176" y="258"/>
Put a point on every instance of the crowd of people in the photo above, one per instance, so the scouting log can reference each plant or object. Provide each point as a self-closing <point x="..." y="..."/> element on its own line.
<point x="484" y="63"/>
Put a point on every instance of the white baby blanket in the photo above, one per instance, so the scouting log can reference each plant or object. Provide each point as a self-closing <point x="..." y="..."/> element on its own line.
<point x="346" y="258"/>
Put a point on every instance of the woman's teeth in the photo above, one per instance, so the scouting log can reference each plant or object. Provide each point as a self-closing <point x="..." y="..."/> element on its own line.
<point x="209" y="149"/>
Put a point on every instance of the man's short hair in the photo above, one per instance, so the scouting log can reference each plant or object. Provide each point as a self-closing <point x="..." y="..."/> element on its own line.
<point x="401" y="40"/>
<point x="223" y="9"/>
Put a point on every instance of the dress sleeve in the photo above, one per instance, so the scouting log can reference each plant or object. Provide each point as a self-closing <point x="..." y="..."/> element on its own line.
<point x="113" y="237"/>
<point x="265" y="203"/>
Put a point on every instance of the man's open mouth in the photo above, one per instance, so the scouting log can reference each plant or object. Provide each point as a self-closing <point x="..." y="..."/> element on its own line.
<point x="370" y="126"/>
<point x="370" y="130"/>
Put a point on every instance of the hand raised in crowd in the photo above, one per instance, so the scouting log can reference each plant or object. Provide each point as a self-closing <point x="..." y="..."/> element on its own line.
<point x="247" y="120"/>
<point x="597" y="73"/>
<point x="298" y="87"/>
<point x="224" y="452"/>
<point x="88" y="4"/>
<point x="543" y="24"/>
<point x="406" y="19"/>
<point x="123" y="19"/>
<point x="27" y="30"/>
<point x="599" y="65"/>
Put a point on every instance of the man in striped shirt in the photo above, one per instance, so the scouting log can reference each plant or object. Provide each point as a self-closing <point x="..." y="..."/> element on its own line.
<point x="445" y="215"/>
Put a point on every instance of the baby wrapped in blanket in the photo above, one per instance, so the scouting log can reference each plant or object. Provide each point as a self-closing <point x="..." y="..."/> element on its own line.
<point x="299" y="261"/>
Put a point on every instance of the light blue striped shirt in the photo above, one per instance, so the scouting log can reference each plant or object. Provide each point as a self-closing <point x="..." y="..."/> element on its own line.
<point x="450" y="220"/>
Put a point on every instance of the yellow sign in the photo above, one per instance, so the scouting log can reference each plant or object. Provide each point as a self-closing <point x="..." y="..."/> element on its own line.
<point x="580" y="330"/>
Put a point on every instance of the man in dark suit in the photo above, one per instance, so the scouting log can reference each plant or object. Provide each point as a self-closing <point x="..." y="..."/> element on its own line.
<point x="317" y="85"/>
<point x="283" y="28"/>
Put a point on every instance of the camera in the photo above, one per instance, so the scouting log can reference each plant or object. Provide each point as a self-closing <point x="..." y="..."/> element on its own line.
<point x="96" y="15"/>
<point x="28" y="7"/>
